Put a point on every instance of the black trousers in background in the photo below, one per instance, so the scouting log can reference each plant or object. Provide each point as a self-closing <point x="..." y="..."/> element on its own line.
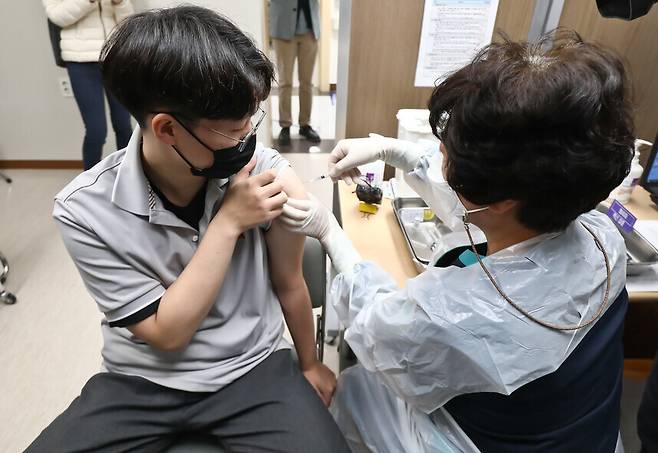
<point x="87" y="84"/>
<point x="272" y="408"/>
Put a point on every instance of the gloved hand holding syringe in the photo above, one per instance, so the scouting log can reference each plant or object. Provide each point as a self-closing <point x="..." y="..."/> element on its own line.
<point x="349" y="154"/>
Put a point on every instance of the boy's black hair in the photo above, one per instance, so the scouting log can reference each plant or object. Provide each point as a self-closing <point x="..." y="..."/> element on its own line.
<point x="548" y="124"/>
<point x="189" y="60"/>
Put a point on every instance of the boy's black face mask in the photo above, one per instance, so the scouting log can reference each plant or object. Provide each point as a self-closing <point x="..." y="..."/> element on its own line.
<point x="226" y="161"/>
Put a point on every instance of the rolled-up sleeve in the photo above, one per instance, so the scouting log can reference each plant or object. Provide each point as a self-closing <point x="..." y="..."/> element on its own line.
<point x="269" y="159"/>
<point x="118" y="288"/>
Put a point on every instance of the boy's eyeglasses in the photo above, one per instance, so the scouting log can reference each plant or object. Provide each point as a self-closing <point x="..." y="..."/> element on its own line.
<point x="255" y="120"/>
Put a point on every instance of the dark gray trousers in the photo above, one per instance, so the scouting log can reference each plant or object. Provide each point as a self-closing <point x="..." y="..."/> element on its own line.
<point x="272" y="408"/>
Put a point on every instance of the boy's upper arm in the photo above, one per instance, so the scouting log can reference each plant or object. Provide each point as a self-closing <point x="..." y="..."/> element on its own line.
<point x="286" y="249"/>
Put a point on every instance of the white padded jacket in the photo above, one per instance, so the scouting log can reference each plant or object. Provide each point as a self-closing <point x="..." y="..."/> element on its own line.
<point x="85" y="25"/>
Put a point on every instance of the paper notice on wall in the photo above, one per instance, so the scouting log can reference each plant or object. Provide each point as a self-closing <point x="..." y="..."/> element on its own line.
<point x="452" y="33"/>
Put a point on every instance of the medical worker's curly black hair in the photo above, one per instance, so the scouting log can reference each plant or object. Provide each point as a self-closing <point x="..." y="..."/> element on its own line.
<point x="547" y="125"/>
<point x="186" y="59"/>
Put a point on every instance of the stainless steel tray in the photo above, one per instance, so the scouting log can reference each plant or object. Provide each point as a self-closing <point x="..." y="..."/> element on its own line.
<point x="640" y="252"/>
<point x="406" y="209"/>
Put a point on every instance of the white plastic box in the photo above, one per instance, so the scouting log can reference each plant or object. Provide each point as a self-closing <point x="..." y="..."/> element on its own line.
<point x="413" y="126"/>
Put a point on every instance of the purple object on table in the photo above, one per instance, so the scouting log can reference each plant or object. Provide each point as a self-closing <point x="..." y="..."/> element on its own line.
<point x="622" y="216"/>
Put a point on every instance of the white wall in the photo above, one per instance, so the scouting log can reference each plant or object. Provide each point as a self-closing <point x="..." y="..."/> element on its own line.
<point x="36" y="122"/>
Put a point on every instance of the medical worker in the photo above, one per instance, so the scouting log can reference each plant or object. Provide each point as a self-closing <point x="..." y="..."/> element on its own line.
<point x="513" y="344"/>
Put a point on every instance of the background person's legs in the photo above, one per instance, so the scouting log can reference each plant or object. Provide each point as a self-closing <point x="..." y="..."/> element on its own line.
<point x="120" y="121"/>
<point x="87" y="85"/>
<point x="115" y="413"/>
<point x="307" y="51"/>
<point x="272" y="408"/>
<point x="286" y="52"/>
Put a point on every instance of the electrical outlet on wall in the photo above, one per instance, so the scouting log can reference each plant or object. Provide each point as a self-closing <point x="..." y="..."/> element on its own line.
<point x="65" y="87"/>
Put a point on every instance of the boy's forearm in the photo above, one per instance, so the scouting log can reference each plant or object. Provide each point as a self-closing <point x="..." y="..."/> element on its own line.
<point x="187" y="301"/>
<point x="296" y="305"/>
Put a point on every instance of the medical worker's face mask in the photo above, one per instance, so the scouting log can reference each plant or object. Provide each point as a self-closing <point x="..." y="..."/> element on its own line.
<point x="448" y="206"/>
<point x="226" y="161"/>
<point x="430" y="183"/>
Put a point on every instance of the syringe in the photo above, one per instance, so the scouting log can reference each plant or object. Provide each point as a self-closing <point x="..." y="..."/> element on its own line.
<point x="318" y="178"/>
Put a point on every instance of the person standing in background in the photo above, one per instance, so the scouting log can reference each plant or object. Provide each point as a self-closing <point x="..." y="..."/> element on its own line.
<point x="86" y="25"/>
<point x="295" y="30"/>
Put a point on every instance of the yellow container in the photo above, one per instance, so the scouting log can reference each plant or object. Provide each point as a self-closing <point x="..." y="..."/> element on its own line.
<point x="368" y="208"/>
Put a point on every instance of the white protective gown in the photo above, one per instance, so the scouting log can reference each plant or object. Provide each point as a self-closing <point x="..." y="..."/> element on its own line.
<point x="449" y="332"/>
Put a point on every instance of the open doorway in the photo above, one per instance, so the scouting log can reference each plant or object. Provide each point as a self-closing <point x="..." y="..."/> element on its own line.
<point x="313" y="25"/>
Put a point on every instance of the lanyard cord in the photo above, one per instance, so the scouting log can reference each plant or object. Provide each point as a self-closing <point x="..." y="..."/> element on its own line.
<point x="596" y="316"/>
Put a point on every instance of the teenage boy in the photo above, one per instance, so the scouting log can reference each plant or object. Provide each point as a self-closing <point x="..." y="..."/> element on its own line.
<point x="175" y="240"/>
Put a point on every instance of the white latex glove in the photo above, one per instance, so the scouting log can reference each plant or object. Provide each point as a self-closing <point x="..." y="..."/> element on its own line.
<point x="311" y="218"/>
<point x="352" y="152"/>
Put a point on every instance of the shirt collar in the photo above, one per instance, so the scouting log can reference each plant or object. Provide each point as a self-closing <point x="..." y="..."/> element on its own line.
<point x="132" y="191"/>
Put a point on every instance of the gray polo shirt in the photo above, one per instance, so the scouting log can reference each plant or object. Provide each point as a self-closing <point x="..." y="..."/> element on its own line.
<point x="128" y="249"/>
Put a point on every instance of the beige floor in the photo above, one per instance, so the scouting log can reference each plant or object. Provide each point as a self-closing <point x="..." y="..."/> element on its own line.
<point x="323" y="116"/>
<point x="50" y="340"/>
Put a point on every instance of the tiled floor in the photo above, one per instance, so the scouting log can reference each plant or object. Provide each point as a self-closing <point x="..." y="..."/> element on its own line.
<point x="323" y="120"/>
<point x="300" y="145"/>
<point x="323" y="116"/>
<point x="51" y="337"/>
